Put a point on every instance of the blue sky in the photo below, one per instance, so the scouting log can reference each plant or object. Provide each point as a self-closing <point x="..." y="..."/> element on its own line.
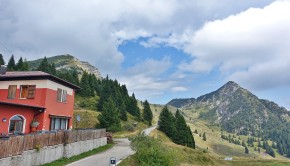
<point x="161" y="49"/>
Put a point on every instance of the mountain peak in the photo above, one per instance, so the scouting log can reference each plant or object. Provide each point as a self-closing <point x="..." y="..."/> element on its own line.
<point x="231" y="84"/>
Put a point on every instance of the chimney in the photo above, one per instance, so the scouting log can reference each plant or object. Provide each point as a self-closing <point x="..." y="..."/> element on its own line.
<point x="3" y="69"/>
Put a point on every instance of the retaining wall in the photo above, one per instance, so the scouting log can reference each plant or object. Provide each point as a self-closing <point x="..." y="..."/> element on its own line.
<point x="51" y="153"/>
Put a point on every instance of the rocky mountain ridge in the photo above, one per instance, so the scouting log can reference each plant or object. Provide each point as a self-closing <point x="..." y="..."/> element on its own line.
<point x="68" y="62"/>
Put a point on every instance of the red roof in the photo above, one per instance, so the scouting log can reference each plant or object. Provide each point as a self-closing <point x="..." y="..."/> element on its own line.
<point x="34" y="75"/>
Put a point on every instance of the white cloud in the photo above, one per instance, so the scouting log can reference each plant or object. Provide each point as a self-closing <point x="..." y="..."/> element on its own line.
<point x="179" y="89"/>
<point x="145" y="78"/>
<point x="251" y="47"/>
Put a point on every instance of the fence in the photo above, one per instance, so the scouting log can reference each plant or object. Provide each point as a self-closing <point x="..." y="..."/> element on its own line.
<point x="15" y="145"/>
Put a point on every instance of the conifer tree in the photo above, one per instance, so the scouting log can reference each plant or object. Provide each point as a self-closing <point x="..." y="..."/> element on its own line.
<point x="123" y="113"/>
<point x="204" y="137"/>
<point x="86" y="90"/>
<point x="11" y="64"/>
<point x="183" y="132"/>
<point x="246" y="150"/>
<point x="25" y="65"/>
<point x="44" y="65"/>
<point x="147" y="114"/>
<point x="166" y="123"/>
<point x="133" y="108"/>
<point x="109" y="118"/>
<point x="20" y="65"/>
<point x="243" y="144"/>
<point x="2" y="62"/>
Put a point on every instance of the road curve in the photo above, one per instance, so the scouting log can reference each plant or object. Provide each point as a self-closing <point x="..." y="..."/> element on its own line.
<point x="148" y="130"/>
<point x="120" y="151"/>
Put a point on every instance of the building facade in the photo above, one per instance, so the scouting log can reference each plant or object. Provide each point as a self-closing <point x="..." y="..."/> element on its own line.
<point x="35" y="98"/>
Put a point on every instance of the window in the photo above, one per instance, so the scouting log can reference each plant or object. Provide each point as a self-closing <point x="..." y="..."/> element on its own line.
<point x="27" y="91"/>
<point x="61" y="95"/>
<point x="57" y="123"/>
<point x="12" y="91"/>
<point x="16" y="124"/>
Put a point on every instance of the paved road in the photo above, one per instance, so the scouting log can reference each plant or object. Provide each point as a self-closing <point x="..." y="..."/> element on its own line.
<point x="120" y="151"/>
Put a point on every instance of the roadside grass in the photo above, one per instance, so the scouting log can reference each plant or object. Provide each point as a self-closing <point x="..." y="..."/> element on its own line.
<point x="65" y="161"/>
<point x="130" y="128"/>
<point x="180" y="154"/>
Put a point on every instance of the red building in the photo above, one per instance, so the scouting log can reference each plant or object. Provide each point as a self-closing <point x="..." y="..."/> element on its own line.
<point x="35" y="96"/>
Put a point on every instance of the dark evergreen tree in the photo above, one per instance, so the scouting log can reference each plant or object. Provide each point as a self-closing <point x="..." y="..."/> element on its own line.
<point x="2" y="62"/>
<point x="147" y="113"/>
<point x="11" y="64"/>
<point x="25" y="66"/>
<point x="204" y="137"/>
<point x="195" y="131"/>
<point x="123" y="113"/>
<point x="166" y="123"/>
<point x="246" y="150"/>
<point x="44" y="66"/>
<point x="288" y="154"/>
<point x="20" y="65"/>
<point x="270" y="151"/>
<point x="184" y="134"/>
<point x="109" y="118"/>
<point x="86" y="90"/>
<point x="133" y="108"/>
<point x="243" y="144"/>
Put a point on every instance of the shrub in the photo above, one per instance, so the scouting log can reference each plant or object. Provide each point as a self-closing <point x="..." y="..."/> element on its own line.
<point x="150" y="151"/>
<point x="128" y="127"/>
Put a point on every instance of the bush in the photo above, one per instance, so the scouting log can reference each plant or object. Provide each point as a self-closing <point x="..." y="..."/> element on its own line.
<point x="150" y="151"/>
<point x="128" y="127"/>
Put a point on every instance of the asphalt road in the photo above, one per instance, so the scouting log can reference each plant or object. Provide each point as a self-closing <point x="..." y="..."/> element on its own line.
<point x="120" y="151"/>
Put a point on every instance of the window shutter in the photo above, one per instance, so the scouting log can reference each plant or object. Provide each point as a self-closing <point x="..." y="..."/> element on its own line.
<point x="64" y="96"/>
<point x="31" y="91"/>
<point x="58" y="97"/>
<point x="12" y="91"/>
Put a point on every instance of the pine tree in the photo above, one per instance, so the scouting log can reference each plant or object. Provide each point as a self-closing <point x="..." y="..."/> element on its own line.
<point x="204" y="137"/>
<point x="195" y="131"/>
<point x="288" y="154"/>
<point x="166" y="123"/>
<point x="133" y="108"/>
<point x="147" y="114"/>
<point x="243" y="144"/>
<point x="270" y="151"/>
<point x="123" y="113"/>
<point x="25" y="65"/>
<point x="246" y="150"/>
<point x="20" y="65"/>
<point x="86" y="90"/>
<point x="181" y="128"/>
<point x="109" y="118"/>
<point x="11" y="64"/>
<point x="44" y="66"/>
<point x="2" y="62"/>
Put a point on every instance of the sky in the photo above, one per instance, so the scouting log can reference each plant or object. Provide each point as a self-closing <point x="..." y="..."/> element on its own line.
<point x="161" y="49"/>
